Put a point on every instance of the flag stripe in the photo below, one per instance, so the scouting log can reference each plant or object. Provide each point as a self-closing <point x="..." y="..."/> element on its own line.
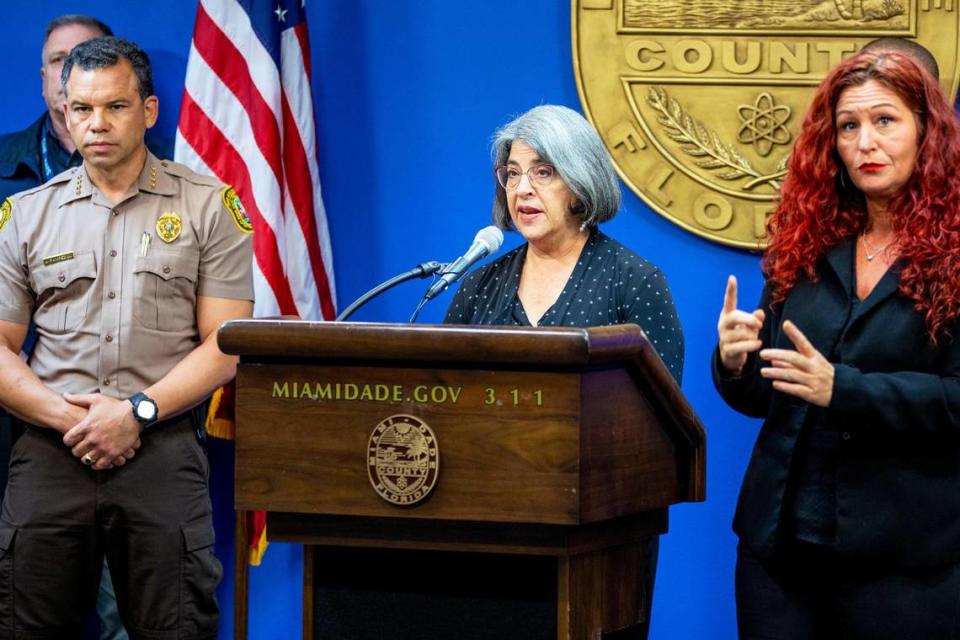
<point x="296" y="163"/>
<point x="226" y="61"/>
<point x="266" y="301"/>
<point x="234" y="21"/>
<point x="297" y="83"/>
<point x="221" y="106"/>
<point x="301" y="31"/>
<point x="221" y="156"/>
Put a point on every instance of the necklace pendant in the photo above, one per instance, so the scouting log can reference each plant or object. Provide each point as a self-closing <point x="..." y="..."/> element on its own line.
<point x="867" y="253"/>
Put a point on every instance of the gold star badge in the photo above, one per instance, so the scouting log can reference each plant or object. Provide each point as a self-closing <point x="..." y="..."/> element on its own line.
<point x="169" y="226"/>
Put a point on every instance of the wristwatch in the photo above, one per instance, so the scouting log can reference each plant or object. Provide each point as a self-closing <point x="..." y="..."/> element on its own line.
<point x="144" y="409"/>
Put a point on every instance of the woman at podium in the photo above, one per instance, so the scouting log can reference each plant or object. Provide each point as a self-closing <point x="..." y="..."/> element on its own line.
<point x="849" y="514"/>
<point x="554" y="184"/>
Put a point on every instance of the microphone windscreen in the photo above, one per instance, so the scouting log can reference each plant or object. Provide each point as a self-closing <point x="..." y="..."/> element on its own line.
<point x="491" y="237"/>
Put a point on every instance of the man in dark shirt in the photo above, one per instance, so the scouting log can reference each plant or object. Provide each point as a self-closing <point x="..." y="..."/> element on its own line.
<point x="31" y="157"/>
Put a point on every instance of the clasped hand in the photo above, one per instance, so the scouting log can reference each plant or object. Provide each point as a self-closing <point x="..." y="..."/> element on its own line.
<point x="108" y="434"/>
<point x="803" y="372"/>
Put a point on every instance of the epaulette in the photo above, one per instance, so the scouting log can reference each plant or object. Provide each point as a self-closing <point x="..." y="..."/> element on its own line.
<point x="188" y="174"/>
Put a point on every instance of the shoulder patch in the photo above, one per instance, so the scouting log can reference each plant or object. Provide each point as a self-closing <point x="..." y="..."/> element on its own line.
<point x="6" y="212"/>
<point x="232" y="203"/>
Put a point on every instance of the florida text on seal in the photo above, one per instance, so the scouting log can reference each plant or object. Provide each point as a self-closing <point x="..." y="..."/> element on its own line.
<point x="403" y="459"/>
<point x="700" y="101"/>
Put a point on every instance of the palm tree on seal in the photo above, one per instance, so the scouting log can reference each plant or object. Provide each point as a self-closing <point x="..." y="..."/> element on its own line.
<point x="417" y="450"/>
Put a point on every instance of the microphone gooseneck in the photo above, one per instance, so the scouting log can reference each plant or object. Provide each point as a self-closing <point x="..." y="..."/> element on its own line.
<point x="487" y="242"/>
<point x="422" y="270"/>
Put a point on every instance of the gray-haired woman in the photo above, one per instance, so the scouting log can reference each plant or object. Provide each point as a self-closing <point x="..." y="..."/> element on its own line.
<point x="554" y="184"/>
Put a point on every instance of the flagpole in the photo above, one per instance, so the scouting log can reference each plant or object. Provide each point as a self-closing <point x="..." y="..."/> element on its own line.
<point x="241" y="577"/>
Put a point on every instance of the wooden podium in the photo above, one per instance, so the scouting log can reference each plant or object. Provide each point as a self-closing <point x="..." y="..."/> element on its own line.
<point x="568" y="444"/>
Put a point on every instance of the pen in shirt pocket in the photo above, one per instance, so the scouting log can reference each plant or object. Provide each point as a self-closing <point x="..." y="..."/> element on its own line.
<point x="145" y="243"/>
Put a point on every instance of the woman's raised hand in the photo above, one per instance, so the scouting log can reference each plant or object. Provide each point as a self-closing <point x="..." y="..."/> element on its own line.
<point x="739" y="331"/>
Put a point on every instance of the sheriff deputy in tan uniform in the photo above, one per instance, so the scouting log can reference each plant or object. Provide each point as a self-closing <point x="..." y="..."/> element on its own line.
<point x="127" y="265"/>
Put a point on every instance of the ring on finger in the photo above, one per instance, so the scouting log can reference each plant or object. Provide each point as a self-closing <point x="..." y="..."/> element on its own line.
<point x="87" y="459"/>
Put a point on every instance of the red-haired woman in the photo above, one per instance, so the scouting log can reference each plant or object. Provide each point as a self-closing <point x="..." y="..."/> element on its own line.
<point x="849" y="513"/>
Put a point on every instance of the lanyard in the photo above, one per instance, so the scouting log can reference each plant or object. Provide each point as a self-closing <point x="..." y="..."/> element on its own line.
<point x="46" y="171"/>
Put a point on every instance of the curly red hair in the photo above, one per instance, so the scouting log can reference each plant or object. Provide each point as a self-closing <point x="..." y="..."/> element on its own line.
<point x="819" y="207"/>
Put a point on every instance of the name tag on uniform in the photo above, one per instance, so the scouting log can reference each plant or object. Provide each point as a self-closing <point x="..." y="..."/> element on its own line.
<point x="60" y="257"/>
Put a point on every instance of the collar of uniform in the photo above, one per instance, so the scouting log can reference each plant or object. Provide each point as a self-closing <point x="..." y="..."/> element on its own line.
<point x="78" y="187"/>
<point x="154" y="177"/>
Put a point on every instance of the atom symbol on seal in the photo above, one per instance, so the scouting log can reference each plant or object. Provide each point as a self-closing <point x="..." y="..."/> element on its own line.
<point x="762" y="123"/>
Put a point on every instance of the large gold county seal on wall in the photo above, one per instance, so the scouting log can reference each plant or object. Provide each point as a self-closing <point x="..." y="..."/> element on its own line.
<point x="403" y="459"/>
<point x="699" y="101"/>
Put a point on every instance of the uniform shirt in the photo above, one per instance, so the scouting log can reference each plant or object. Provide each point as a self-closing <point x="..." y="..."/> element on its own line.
<point x="609" y="285"/>
<point x="114" y="303"/>
<point x="30" y="157"/>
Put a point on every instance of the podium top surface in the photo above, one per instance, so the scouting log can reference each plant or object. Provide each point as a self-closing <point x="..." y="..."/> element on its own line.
<point x="373" y="342"/>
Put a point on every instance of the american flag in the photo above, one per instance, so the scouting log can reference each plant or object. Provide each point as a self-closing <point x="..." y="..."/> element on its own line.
<point x="247" y="118"/>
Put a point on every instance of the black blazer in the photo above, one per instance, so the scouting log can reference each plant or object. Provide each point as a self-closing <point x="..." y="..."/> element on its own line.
<point x="896" y="404"/>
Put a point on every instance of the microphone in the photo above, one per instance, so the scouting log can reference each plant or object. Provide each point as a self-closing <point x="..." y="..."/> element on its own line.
<point x="486" y="242"/>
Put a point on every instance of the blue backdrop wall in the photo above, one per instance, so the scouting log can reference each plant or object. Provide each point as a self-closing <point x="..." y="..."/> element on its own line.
<point x="407" y="95"/>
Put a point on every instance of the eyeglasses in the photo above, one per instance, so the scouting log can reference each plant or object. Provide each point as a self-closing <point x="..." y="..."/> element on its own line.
<point x="540" y="175"/>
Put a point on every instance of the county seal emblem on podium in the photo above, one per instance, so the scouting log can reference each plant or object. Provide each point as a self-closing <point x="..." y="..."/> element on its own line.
<point x="403" y="459"/>
<point x="699" y="101"/>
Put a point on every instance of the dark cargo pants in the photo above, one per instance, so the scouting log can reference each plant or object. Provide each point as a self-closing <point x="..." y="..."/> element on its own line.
<point x="151" y="517"/>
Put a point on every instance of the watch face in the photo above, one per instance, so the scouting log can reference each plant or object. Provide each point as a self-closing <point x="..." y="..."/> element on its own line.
<point x="146" y="410"/>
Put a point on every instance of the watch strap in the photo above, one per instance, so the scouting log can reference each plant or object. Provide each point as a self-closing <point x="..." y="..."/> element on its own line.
<point x="136" y="400"/>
